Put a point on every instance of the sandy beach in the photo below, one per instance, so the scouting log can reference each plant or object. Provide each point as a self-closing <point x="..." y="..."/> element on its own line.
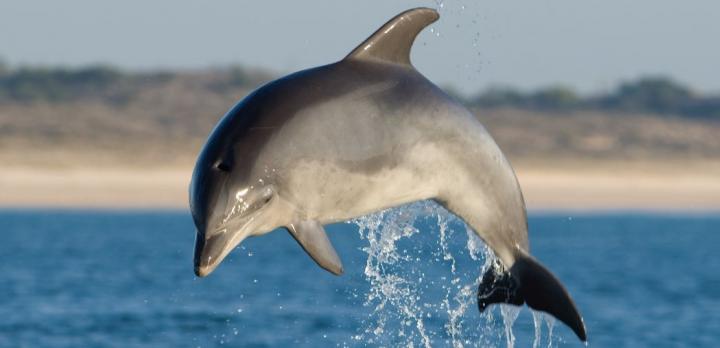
<point x="547" y="190"/>
<point x="686" y="187"/>
<point x="106" y="188"/>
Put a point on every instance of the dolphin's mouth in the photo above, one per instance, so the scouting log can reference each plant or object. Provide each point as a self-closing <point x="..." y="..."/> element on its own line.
<point x="211" y="249"/>
<point x="205" y="249"/>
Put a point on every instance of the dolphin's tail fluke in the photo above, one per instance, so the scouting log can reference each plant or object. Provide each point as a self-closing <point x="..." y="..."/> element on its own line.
<point x="529" y="282"/>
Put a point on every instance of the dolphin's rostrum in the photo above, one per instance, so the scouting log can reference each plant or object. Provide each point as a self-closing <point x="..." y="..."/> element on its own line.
<point x="354" y="137"/>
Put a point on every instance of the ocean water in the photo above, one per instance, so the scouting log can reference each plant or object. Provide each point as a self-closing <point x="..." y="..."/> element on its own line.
<point x="125" y="279"/>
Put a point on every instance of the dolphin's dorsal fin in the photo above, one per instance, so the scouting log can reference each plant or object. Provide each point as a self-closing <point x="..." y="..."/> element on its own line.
<point x="312" y="238"/>
<point x="393" y="41"/>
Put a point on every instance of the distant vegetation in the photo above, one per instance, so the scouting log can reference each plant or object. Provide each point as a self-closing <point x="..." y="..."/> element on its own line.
<point x="31" y="84"/>
<point x="655" y="95"/>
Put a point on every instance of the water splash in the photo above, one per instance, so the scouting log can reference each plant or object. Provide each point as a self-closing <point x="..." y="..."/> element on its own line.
<point x="537" y="322"/>
<point x="391" y="290"/>
<point x="404" y="274"/>
<point x="509" y="314"/>
<point x="550" y="321"/>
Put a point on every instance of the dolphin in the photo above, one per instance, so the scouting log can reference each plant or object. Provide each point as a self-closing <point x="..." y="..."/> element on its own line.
<point x="354" y="137"/>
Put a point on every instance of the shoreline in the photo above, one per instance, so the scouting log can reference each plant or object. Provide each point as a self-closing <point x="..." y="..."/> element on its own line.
<point x="546" y="190"/>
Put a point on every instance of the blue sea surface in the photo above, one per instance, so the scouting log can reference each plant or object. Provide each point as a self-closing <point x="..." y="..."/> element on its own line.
<point x="125" y="279"/>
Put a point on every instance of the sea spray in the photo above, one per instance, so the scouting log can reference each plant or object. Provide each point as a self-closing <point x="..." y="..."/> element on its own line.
<point x="537" y="322"/>
<point x="394" y="295"/>
<point x="550" y="321"/>
<point x="412" y="251"/>
<point x="509" y="315"/>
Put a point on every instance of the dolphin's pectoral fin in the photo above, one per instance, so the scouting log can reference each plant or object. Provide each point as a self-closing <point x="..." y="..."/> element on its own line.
<point x="312" y="238"/>
<point x="393" y="41"/>
<point x="529" y="282"/>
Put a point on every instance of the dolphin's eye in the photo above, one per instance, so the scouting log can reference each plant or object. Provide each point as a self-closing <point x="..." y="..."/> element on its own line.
<point x="222" y="166"/>
<point x="225" y="161"/>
